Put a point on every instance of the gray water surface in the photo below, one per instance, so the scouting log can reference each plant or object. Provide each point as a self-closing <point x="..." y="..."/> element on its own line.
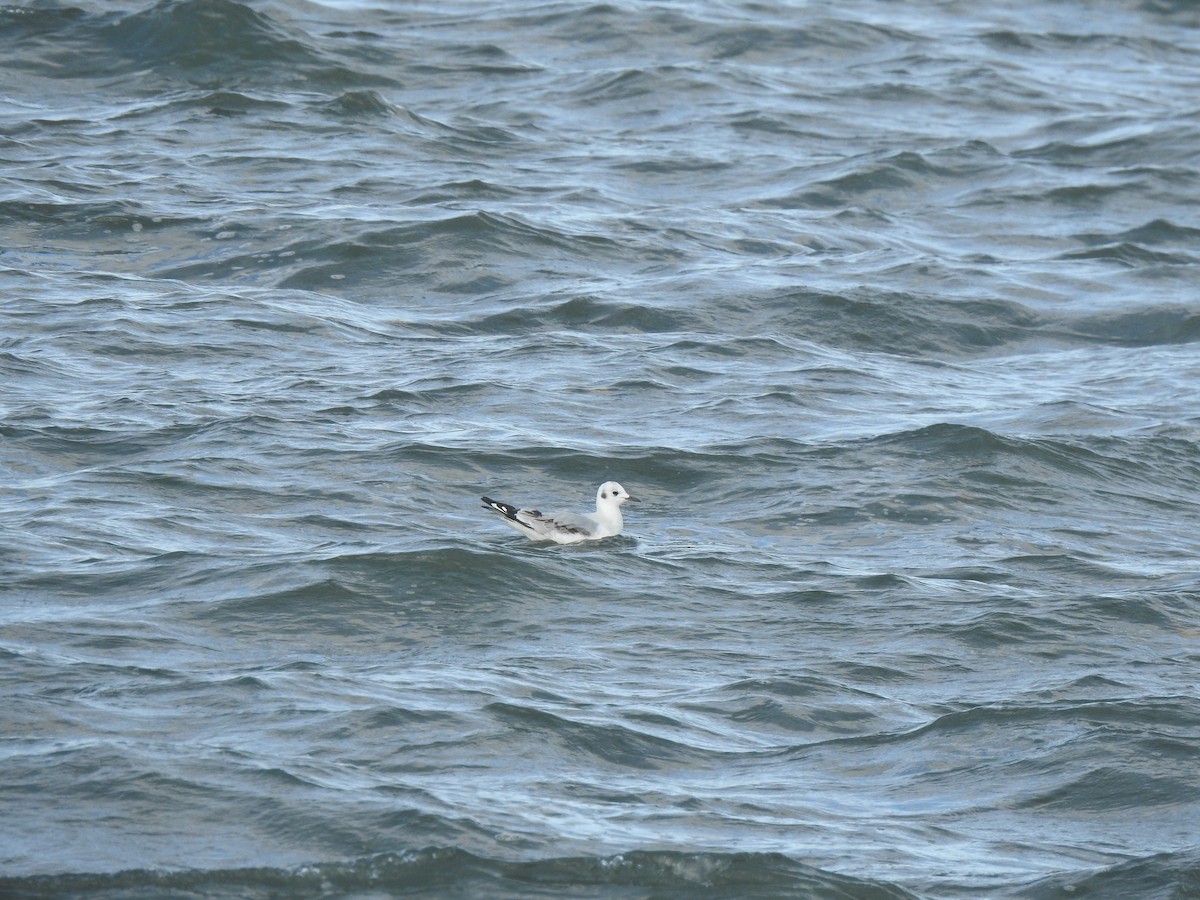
<point x="886" y="311"/>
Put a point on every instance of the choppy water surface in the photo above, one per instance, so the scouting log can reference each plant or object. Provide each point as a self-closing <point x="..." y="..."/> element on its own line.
<point x="888" y="312"/>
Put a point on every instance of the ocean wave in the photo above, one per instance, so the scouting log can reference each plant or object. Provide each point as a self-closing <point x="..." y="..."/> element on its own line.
<point x="457" y="873"/>
<point x="1173" y="874"/>
<point x="1155" y="326"/>
<point x="221" y="40"/>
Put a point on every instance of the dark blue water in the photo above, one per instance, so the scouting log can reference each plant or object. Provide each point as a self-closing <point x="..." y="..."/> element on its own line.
<point x="887" y="312"/>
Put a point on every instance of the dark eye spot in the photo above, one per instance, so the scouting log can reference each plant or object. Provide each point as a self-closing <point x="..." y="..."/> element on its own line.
<point x="603" y="496"/>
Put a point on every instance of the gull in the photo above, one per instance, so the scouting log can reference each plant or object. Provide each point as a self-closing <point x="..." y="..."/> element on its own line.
<point x="568" y="528"/>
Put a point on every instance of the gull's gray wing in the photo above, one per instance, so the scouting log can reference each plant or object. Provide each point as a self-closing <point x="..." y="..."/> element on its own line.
<point x="562" y="523"/>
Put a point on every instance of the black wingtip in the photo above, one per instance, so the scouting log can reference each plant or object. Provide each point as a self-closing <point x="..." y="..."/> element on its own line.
<point x="509" y="512"/>
<point x="503" y="508"/>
